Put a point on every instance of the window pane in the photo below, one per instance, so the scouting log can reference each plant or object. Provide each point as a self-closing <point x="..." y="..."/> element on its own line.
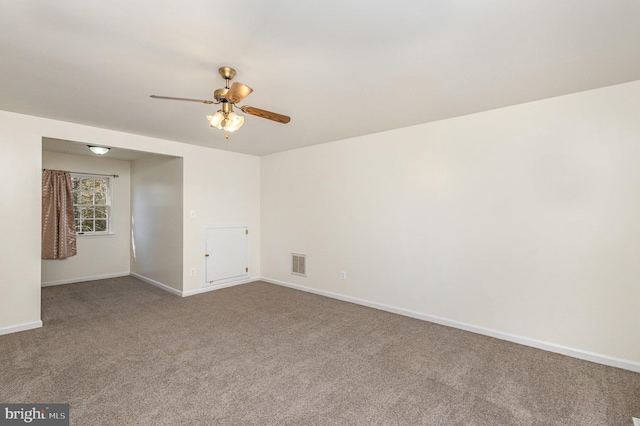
<point x="86" y="198"/>
<point x="87" y="226"/>
<point x="101" y="185"/>
<point x="101" y="212"/>
<point x="88" y="184"/>
<point x="100" y="198"/>
<point x="91" y="200"/>
<point x="88" y="212"/>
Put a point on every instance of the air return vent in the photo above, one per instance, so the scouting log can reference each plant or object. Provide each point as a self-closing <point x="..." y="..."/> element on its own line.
<point x="299" y="264"/>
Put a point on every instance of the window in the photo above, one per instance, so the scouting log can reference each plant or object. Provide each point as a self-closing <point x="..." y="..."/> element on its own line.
<point x="92" y="204"/>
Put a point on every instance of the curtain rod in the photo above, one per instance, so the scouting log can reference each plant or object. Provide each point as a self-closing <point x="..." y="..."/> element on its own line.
<point x="90" y="174"/>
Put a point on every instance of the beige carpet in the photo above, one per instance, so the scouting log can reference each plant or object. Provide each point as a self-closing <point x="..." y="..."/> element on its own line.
<point x="122" y="352"/>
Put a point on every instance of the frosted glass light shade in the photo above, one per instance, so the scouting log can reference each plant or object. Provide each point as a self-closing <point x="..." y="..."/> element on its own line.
<point x="98" y="150"/>
<point x="216" y="119"/>
<point x="229" y="122"/>
<point x="234" y="122"/>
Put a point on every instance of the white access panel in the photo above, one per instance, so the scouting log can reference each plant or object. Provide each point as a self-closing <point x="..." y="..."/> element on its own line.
<point x="227" y="253"/>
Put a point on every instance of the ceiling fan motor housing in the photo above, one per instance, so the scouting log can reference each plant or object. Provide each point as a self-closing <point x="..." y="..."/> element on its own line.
<point x="220" y="94"/>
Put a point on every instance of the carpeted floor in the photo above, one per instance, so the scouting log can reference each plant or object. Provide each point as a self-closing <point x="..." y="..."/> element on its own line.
<point x="122" y="352"/>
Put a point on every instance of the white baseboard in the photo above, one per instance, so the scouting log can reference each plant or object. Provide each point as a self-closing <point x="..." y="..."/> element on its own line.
<point x="550" y="347"/>
<point x="83" y="279"/>
<point x="157" y="284"/>
<point x="20" y="327"/>
<point x="192" y="292"/>
<point x="219" y="286"/>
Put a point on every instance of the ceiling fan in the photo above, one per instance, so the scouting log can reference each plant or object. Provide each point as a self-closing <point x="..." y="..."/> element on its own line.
<point x="225" y="118"/>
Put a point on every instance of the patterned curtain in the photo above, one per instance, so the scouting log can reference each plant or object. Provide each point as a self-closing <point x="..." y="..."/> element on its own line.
<point x="58" y="228"/>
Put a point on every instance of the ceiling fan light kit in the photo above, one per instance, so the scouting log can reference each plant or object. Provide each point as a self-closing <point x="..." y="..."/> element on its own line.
<point x="228" y="97"/>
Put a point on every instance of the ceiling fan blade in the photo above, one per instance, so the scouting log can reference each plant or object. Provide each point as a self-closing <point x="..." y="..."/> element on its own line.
<point x="266" y="114"/>
<point x="238" y="92"/>
<point x="204" y="101"/>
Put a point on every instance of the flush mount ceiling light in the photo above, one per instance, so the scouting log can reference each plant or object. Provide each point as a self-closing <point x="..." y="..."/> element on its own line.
<point x="225" y="118"/>
<point x="98" y="150"/>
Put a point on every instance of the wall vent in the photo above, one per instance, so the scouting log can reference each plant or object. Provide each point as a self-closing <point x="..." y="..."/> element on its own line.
<point x="299" y="264"/>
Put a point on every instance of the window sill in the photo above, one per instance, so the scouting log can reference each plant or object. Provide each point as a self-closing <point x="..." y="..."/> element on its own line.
<point x="107" y="234"/>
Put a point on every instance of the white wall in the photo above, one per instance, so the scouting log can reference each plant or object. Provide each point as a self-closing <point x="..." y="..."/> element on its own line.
<point x="98" y="256"/>
<point x="220" y="189"/>
<point x="156" y="206"/>
<point x="20" y="223"/>
<point x="220" y="186"/>
<point x="521" y="221"/>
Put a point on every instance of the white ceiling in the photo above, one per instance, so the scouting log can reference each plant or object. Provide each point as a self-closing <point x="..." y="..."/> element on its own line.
<point x="339" y="68"/>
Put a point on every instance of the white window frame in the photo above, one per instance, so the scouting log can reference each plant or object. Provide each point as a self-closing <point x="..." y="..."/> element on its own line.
<point x="108" y="206"/>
